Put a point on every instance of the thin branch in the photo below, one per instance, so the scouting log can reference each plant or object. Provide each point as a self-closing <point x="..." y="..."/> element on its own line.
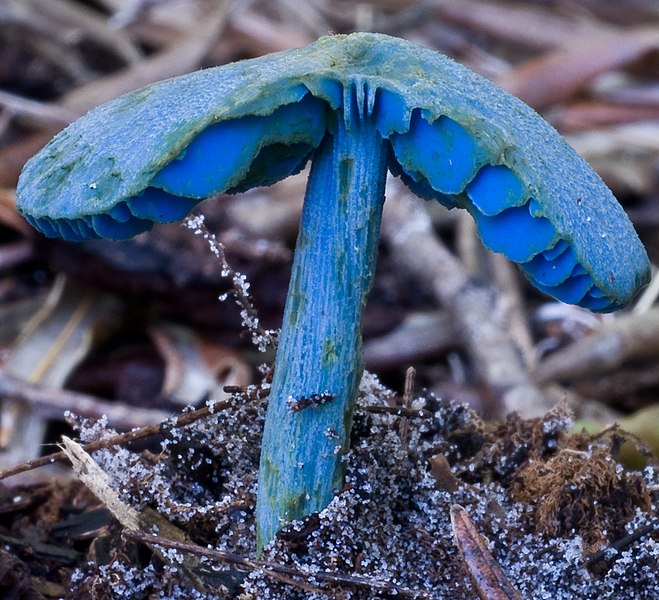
<point x="486" y="575"/>
<point x="633" y="336"/>
<point x="273" y="569"/>
<point x="50" y="114"/>
<point x="52" y="402"/>
<point x="622" y="543"/>
<point x="182" y="420"/>
<point x="400" y="411"/>
<point x="478" y="314"/>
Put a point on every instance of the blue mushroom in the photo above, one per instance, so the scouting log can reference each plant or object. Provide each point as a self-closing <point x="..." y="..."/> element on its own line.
<point x="356" y="106"/>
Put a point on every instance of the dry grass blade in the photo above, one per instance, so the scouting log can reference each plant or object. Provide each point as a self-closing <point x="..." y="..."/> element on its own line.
<point x="408" y="397"/>
<point x="98" y="481"/>
<point x="485" y="573"/>
<point x="88" y="471"/>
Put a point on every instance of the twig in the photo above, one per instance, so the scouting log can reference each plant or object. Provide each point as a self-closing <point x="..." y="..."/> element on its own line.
<point x="506" y="277"/>
<point x="306" y="14"/>
<point x="648" y="297"/>
<point x="400" y="411"/>
<point x="50" y="114"/>
<point x="97" y="480"/>
<point x="91" y="22"/>
<point x="182" y="420"/>
<point x="618" y="545"/>
<point x="476" y="309"/>
<point x="524" y="24"/>
<point x="485" y="573"/>
<point x="419" y="336"/>
<point x="271" y="569"/>
<point x="181" y="57"/>
<point x="90" y="473"/>
<point x="53" y="402"/>
<point x="408" y="396"/>
<point x="252" y="33"/>
<point x="630" y="336"/>
<point x="495" y="269"/>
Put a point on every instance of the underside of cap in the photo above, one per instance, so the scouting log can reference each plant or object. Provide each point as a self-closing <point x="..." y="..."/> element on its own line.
<point x="151" y="155"/>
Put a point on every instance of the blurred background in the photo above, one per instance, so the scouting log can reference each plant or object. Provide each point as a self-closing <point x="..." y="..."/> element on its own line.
<point x="135" y="331"/>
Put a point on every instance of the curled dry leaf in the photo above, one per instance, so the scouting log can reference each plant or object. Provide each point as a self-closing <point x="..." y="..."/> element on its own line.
<point x="196" y="369"/>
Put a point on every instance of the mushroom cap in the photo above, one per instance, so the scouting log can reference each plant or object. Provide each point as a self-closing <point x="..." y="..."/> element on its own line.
<point x="152" y="154"/>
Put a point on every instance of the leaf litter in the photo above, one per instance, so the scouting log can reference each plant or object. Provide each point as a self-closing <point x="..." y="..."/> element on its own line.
<point x="554" y="509"/>
<point x="547" y="507"/>
<point x="543" y="498"/>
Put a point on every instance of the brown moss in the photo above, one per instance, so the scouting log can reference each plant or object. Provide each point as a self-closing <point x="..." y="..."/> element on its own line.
<point x="582" y="491"/>
<point x="574" y="482"/>
<point x="506" y="447"/>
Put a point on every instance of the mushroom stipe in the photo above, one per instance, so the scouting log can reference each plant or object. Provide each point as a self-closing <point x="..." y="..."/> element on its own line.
<point x="356" y="106"/>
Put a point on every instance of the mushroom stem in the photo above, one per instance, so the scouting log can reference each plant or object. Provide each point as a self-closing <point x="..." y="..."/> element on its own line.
<point x="319" y="361"/>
